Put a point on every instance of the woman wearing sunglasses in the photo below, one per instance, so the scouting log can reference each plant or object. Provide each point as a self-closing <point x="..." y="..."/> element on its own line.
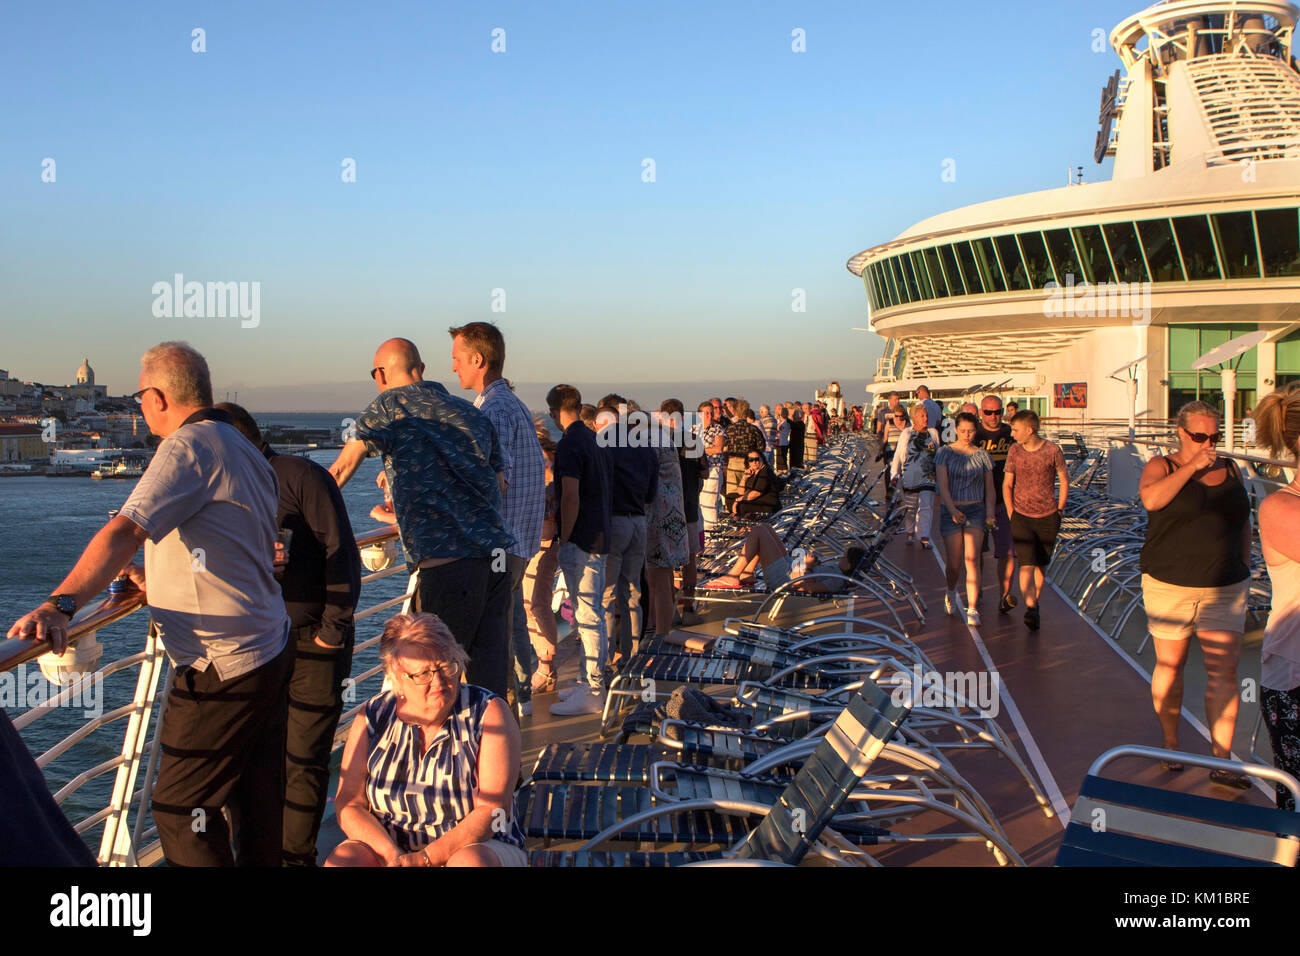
<point x="429" y="769"/>
<point x="757" y="495"/>
<point x="1195" y="576"/>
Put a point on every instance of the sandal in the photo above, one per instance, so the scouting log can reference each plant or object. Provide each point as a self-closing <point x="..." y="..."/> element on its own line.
<point x="925" y="543"/>
<point x="1228" y="778"/>
<point x="543" y="682"/>
<point x="1173" y="766"/>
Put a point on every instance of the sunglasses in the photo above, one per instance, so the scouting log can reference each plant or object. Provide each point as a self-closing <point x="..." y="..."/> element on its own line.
<point x="375" y="370"/>
<point x="1201" y="438"/>
<point x="991" y="411"/>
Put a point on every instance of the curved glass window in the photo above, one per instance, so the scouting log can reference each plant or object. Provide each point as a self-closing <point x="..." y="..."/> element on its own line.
<point x="1096" y="263"/>
<point x="936" y="274"/>
<point x="1125" y="252"/>
<point x="950" y="272"/>
<point x="1236" y="235"/>
<point x="1162" y="254"/>
<point x="881" y="289"/>
<point x="1279" y="241"/>
<point x="1231" y="245"/>
<point x="987" y="260"/>
<point x="887" y="284"/>
<point x="909" y="277"/>
<point x="1061" y="246"/>
<point x="1197" y="245"/>
<point x="1013" y="266"/>
<point x="966" y="259"/>
<point x="922" y="277"/>
<point x="900" y="284"/>
<point x="1036" y="261"/>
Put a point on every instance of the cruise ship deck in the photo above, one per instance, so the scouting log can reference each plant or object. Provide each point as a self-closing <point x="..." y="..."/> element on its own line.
<point x="1067" y="694"/>
<point x="1061" y="696"/>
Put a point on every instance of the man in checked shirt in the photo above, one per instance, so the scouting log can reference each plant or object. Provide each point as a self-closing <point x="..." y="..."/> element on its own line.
<point x="478" y="356"/>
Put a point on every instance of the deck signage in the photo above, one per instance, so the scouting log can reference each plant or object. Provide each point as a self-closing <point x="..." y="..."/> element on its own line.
<point x="1071" y="395"/>
<point x="1109" y="113"/>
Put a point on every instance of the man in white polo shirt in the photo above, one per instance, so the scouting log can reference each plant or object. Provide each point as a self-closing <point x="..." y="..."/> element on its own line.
<point x="206" y="512"/>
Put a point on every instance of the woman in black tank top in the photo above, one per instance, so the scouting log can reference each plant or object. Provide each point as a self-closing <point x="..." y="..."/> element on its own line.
<point x="1195" y="576"/>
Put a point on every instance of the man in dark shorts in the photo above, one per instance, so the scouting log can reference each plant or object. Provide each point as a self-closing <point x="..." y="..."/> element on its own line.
<point x="1033" y="463"/>
<point x="994" y="436"/>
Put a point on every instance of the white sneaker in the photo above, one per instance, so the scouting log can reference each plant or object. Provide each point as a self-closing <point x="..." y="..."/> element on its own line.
<point x="581" y="701"/>
<point x="972" y="617"/>
<point x="564" y="694"/>
<point x="526" y="709"/>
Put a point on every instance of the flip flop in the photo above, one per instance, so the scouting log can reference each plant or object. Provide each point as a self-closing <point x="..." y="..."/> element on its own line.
<point x="1226" y="778"/>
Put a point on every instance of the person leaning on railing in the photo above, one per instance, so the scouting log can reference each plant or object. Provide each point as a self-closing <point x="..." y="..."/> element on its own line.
<point x="1277" y="426"/>
<point x="205" y="511"/>
<point x="429" y="769"/>
<point x="1195" y="567"/>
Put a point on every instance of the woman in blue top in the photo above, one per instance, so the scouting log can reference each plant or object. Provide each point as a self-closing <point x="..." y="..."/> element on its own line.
<point x="965" y="478"/>
<point x="429" y="768"/>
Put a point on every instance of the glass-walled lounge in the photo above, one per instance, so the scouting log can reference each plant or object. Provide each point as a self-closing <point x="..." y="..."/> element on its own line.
<point x="1247" y="244"/>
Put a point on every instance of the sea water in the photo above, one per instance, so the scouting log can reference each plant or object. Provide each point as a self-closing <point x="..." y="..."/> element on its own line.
<point x="47" y="523"/>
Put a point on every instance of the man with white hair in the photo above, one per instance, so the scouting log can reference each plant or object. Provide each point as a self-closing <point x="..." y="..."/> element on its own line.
<point x="205" y="512"/>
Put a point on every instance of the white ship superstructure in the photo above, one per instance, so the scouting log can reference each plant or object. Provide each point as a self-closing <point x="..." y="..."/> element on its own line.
<point x="1194" y="240"/>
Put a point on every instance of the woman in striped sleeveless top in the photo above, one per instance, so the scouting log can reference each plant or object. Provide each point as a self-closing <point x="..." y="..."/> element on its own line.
<point x="429" y="769"/>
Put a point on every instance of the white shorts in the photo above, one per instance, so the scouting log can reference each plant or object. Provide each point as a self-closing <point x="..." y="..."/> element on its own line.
<point x="507" y="853"/>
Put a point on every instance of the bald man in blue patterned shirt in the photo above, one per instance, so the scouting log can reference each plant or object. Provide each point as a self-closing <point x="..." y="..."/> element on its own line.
<point x="444" y="467"/>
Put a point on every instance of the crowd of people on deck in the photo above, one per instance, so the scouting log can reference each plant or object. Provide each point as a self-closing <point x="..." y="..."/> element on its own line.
<point x="1000" y="482"/>
<point x="252" y="574"/>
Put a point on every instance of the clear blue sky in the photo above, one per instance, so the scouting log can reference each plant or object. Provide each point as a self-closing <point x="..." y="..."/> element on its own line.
<point x="520" y="170"/>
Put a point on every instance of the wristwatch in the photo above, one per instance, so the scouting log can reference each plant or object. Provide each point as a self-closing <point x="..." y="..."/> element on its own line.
<point x="63" y="603"/>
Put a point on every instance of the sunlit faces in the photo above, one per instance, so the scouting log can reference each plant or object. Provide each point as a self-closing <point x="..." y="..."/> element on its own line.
<point x="1021" y="432"/>
<point x="965" y="432"/>
<point x="465" y="363"/>
<point x="429" y="686"/>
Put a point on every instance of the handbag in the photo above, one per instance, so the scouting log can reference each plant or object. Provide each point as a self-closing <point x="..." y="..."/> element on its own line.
<point x="918" y="468"/>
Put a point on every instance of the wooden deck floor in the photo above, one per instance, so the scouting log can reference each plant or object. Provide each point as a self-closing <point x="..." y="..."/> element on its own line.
<point x="1067" y="695"/>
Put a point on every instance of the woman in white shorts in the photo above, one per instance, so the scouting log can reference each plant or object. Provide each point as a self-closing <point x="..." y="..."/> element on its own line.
<point x="1196" y="576"/>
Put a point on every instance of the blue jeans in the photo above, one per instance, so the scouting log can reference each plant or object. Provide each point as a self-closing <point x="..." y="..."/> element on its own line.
<point x="584" y="579"/>
<point x="975" y="514"/>
<point x="522" y="659"/>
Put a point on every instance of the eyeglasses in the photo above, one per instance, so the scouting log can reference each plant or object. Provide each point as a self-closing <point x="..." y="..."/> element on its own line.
<point x="449" y="671"/>
<point x="1201" y="438"/>
<point x="138" y="397"/>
